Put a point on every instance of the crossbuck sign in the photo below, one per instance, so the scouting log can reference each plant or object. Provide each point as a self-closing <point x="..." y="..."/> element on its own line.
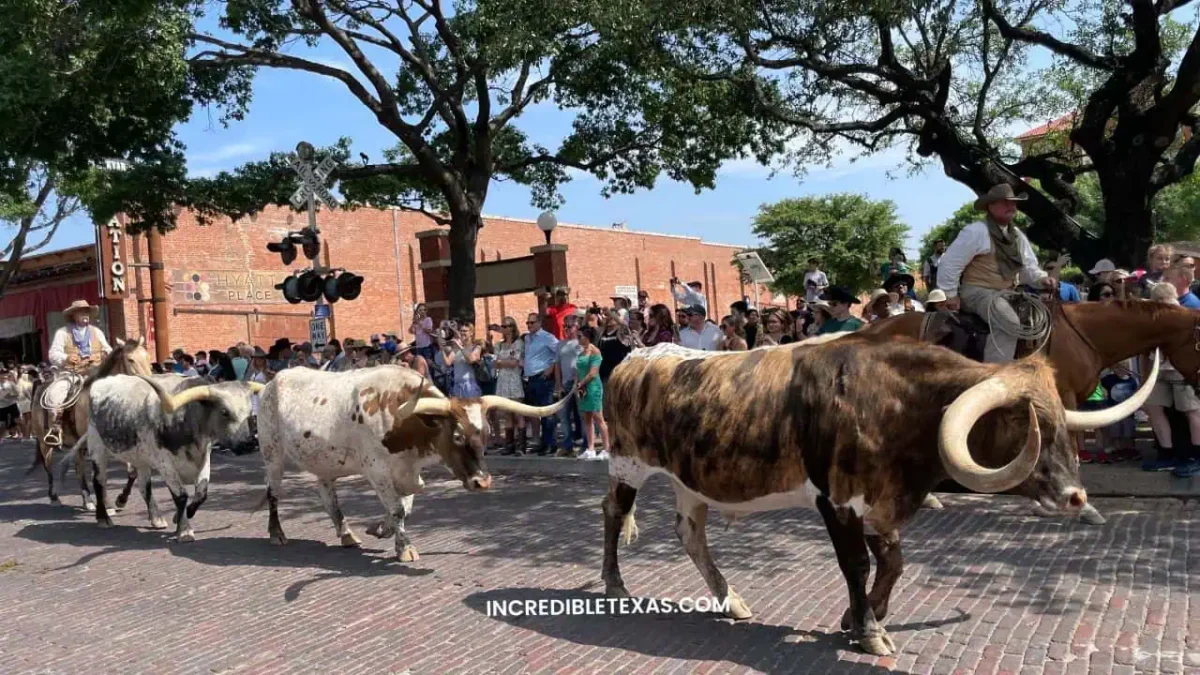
<point x="312" y="181"/>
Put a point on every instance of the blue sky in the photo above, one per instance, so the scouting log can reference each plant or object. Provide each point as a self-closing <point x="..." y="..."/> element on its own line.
<point x="292" y="106"/>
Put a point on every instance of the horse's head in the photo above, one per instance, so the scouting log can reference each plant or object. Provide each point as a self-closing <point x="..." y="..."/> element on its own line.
<point x="131" y="358"/>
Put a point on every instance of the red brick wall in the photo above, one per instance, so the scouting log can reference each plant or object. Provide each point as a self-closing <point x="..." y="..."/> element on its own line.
<point x="366" y="241"/>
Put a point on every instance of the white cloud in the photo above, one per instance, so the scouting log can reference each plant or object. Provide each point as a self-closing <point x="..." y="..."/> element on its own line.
<point x="229" y="151"/>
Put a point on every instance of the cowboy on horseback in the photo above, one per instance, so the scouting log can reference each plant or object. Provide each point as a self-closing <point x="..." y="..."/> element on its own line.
<point x="77" y="347"/>
<point x="985" y="262"/>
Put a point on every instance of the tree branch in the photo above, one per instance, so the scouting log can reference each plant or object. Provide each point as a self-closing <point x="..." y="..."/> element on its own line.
<point x="1181" y="165"/>
<point x="16" y="249"/>
<point x="1036" y="37"/>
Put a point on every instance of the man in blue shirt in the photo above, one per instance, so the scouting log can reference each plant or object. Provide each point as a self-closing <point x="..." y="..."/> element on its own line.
<point x="1181" y="274"/>
<point x="541" y="358"/>
<point x="1067" y="292"/>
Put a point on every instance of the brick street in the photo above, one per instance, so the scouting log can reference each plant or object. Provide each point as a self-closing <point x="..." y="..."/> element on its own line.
<point x="987" y="588"/>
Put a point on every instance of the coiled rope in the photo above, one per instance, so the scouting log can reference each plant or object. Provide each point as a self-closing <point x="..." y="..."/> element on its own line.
<point x="1039" y="322"/>
<point x="70" y="400"/>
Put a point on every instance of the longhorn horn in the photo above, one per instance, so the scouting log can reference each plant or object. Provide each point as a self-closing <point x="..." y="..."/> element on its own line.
<point x="416" y="405"/>
<point x="510" y="406"/>
<point x="956" y="426"/>
<point x="171" y="403"/>
<point x="256" y="387"/>
<point x="1082" y="421"/>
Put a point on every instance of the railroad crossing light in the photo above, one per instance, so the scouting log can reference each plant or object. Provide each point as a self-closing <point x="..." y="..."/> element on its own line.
<point x="285" y="248"/>
<point x="310" y="286"/>
<point x="290" y="287"/>
<point x="309" y="243"/>
<point x="349" y="285"/>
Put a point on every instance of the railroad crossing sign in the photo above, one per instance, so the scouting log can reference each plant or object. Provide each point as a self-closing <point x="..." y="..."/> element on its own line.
<point x="312" y="181"/>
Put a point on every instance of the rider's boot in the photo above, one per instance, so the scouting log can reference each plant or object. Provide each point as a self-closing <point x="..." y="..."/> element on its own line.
<point x="53" y="435"/>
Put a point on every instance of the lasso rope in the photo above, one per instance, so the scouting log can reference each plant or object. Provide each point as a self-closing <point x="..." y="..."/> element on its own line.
<point x="1038" y="328"/>
<point x="70" y="401"/>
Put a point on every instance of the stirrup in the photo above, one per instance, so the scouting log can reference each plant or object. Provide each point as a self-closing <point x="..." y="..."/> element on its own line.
<point x="53" y="436"/>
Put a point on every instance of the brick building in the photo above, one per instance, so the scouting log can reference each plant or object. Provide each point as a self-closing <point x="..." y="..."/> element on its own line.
<point x="30" y="310"/>
<point x="221" y="277"/>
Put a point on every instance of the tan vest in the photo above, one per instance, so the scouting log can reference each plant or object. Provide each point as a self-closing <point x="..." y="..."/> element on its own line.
<point x="983" y="271"/>
<point x="97" y="349"/>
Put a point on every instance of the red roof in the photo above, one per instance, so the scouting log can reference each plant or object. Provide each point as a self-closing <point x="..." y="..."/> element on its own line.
<point x="1063" y="123"/>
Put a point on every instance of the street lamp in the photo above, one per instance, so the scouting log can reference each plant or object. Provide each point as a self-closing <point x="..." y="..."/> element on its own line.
<point x="546" y="223"/>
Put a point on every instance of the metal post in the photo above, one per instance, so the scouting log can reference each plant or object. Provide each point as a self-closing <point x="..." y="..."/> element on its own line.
<point x="158" y="297"/>
<point x="325" y="248"/>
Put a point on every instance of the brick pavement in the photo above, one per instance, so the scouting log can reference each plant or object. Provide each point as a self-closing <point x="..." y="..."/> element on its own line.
<point x="987" y="589"/>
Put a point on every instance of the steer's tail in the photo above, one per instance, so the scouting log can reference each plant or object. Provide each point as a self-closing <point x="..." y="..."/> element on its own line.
<point x="629" y="528"/>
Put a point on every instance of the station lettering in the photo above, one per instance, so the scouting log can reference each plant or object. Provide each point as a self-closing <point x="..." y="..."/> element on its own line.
<point x="117" y="268"/>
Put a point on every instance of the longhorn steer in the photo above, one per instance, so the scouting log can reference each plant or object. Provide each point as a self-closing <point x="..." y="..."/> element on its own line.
<point x="853" y="427"/>
<point x="385" y="424"/>
<point x="165" y="423"/>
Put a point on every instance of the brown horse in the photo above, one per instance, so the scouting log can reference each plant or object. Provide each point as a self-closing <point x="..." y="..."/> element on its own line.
<point x="1087" y="337"/>
<point x="127" y="358"/>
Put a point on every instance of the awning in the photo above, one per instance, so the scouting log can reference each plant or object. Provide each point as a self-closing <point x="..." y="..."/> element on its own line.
<point x="18" y="325"/>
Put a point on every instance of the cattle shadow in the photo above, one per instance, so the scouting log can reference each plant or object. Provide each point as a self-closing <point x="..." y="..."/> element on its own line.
<point x="761" y="647"/>
<point x="335" y="561"/>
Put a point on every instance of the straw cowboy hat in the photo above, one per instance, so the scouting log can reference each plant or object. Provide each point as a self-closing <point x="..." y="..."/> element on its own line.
<point x="1002" y="192"/>
<point x="80" y="306"/>
<point x="936" y="295"/>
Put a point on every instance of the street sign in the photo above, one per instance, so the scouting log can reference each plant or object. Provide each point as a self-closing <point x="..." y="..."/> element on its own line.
<point x="754" y="268"/>
<point x="321" y="311"/>
<point x="628" y="292"/>
<point x="316" y="333"/>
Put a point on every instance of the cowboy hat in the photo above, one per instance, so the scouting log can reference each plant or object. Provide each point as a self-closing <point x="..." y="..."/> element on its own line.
<point x="840" y="294"/>
<point x="823" y="306"/>
<point x="79" y="306"/>
<point x="936" y="295"/>
<point x="1002" y="192"/>
<point x="876" y="295"/>
<point x="900" y="277"/>
<point x="1102" y="266"/>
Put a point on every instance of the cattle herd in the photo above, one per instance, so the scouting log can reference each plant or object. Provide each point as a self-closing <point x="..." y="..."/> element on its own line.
<point x="858" y="427"/>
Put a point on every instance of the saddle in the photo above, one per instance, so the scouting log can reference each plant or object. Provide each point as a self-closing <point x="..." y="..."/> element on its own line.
<point x="967" y="333"/>
<point x="60" y="397"/>
<point x="961" y="332"/>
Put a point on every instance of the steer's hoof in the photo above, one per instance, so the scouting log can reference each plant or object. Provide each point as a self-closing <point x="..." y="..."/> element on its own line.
<point x="350" y="540"/>
<point x="409" y="554"/>
<point x="55" y="500"/>
<point x="187" y="537"/>
<point x="932" y="502"/>
<point x="121" y="502"/>
<point x="1091" y="516"/>
<point x="616" y="591"/>
<point x="89" y="506"/>
<point x="879" y="644"/>
<point x="105" y="523"/>
<point x="278" y="539"/>
<point x="159" y="523"/>
<point x="737" y="607"/>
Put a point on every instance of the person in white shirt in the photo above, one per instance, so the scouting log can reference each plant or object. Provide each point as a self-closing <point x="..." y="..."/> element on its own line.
<point x="690" y="295"/>
<point x="897" y="287"/>
<point x="79" y="345"/>
<point x="815" y="281"/>
<point x="986" y="259"/>
<point x="929" y="269"/>
<point x="700" y="334"/>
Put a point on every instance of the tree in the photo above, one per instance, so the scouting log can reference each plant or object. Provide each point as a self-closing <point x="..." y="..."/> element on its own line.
<point x="850" y="233"/>
<point x="450" y="86"/>
<point x="952" y="78"/>
<point x="82" y="82"/>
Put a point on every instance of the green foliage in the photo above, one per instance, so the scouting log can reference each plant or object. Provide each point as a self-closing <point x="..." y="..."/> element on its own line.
<point x="636" y="117"/>
<point x="850" y="233"/>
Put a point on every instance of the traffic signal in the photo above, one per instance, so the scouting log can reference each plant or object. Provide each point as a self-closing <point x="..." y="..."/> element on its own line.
<point x="310" y="285"/>
<point x="285" y="248"/>
<point x="309" y="242"/>
<point x="349" y="285"/>
<point x="290" y="287"/>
